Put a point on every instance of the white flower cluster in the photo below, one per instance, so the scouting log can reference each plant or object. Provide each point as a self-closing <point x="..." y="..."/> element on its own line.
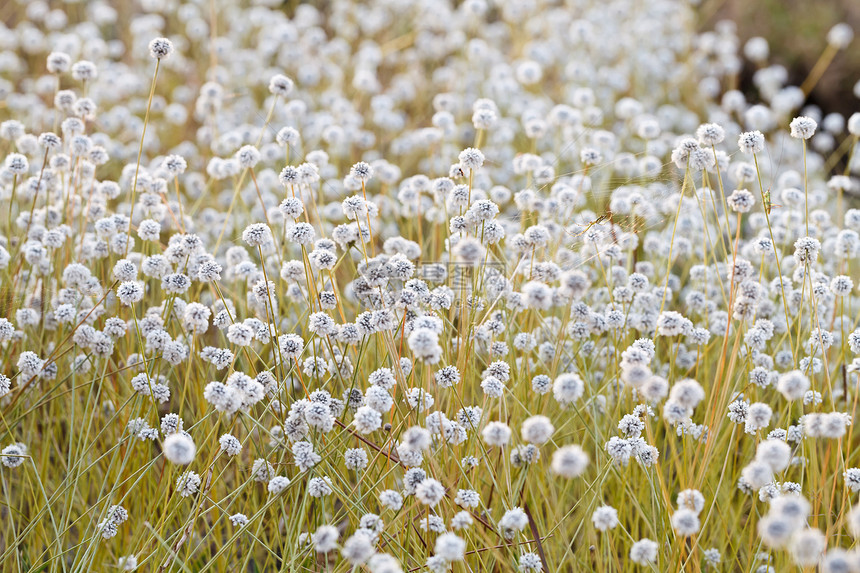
<point x="400" y="285"/>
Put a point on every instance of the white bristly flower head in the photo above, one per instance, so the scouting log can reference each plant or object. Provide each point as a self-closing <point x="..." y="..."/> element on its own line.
<point x="450" y="546"/>
<point x="361" y="171"/>
<point x="569" y="461"/>
<point x="751" y="142"/>
<point x="512" y="522"/>
<point x="280" y="85"/>
<point x="644" y="552"/>
<point x="803" y="127"/>
<point x="685" y="522"/>
<point x="160" y="48"/>
<point x="496" y="434"/>
<point x="179" y="449"/>
<point x="471" y="159"/>
<point x="325" y="539"/>
<point x="257" y="234"/>
<point x="537" y="430"/>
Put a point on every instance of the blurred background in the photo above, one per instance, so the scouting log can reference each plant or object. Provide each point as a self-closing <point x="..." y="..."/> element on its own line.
<point x="796" y="31"/>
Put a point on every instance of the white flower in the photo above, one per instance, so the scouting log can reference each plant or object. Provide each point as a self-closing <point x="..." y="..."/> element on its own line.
<point x="325" y="539"/>
<point x="605" y="518"/>
<point x="803" y="127"/>
<point x="537" y="430"/>
<point x="685" y="522"/>
<point x="569" y="461"/>
<point x="179" y="449"/>
<point x="160" y="48"/>
<point x="496" y="434"/>
<point x="278" y="484"/>
<point x="450" y="546"/>
<point x="644" y="552"/>
<point x="751" y="142"/>
<point x="188" y="484"/>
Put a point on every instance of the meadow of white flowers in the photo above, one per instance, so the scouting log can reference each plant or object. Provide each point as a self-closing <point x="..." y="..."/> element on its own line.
<point x="422" y="285"/>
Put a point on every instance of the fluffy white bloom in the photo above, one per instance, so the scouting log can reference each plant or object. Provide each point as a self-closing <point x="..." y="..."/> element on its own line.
<point x="179" y="449"/>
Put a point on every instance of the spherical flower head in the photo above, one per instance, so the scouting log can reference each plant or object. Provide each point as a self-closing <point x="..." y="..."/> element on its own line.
<point x="852" y="479"/>
<point x="687" y="392"/>
<point x="58" y="62"/>
<point x="758" y="417"/>
<point x="278" y="484"/>
<point x="513" y="521"/>
<point x="530" y="562"/>
<point x="471" y="158"/>
<point x="807" y="547"/>
<point x="289" y="176"/>
<point x="757" y="474"/>
<point x="710" y="134"/>
<point x="248" y="156"/>
<point x="160" y="48"/>
<point x="854" y="124"/>
<point x="741" y="201"/>
<point x="325" y="538"/>
<point x="385" y="563"/>
<point x="644" y="552"/>
<point x="291" y="345"/>
<point x="175" y="165"/>
<point x="806" y="250"/>
<point x="288" y="136"/>
<point x="467" y="498"/>
<point x="7" y="329"/>
<point x="130" y="292"/>
<point x="230" y="445"/>
<point x="450" y="546"/>
<point x="391" y="499"/>
<point x="791" y="506"/>
<point x="775" y="531"/>
<point x="605" y="518"/>
<point x="84" y="71"/>
<point x="751" y="141"/>
<point x="681" y="153"/>
<point x="179" y="449"/>
<point x="281" y="85"/>
<point x="569" y="461"/>
<point x="496" y="434"/>
<point x="354" y="207"/>
<point x="238" y="520"/>
<point x="17" y="164"/>
<point x="49" y="140"/>
<point x="430" y="492"/>
<point x="209" y="271"/>
<point x="127" y="563"/>
<point x="361" y="171"/>
<point x="149" y="230"/>
<point x="803" y="127"/>
<point x="685" y="522"/>
<point x="590" y="156"/>
<point x="691" y="499"/>
<point x="13" y="455"/>
<point x="568" y="388"/>
<point x="793" y="384"/>
<point x="355" y="459"/>
<point x="537" y="430"/>
<point x="840" y="35"/>
<point x="367" y="420"/>
<point x="842" y="286"/>
<point x="257" y="234"/>
<point x="188" y="484"/>
<point x="301" y="233"/>
<point x="358" y="548"/>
